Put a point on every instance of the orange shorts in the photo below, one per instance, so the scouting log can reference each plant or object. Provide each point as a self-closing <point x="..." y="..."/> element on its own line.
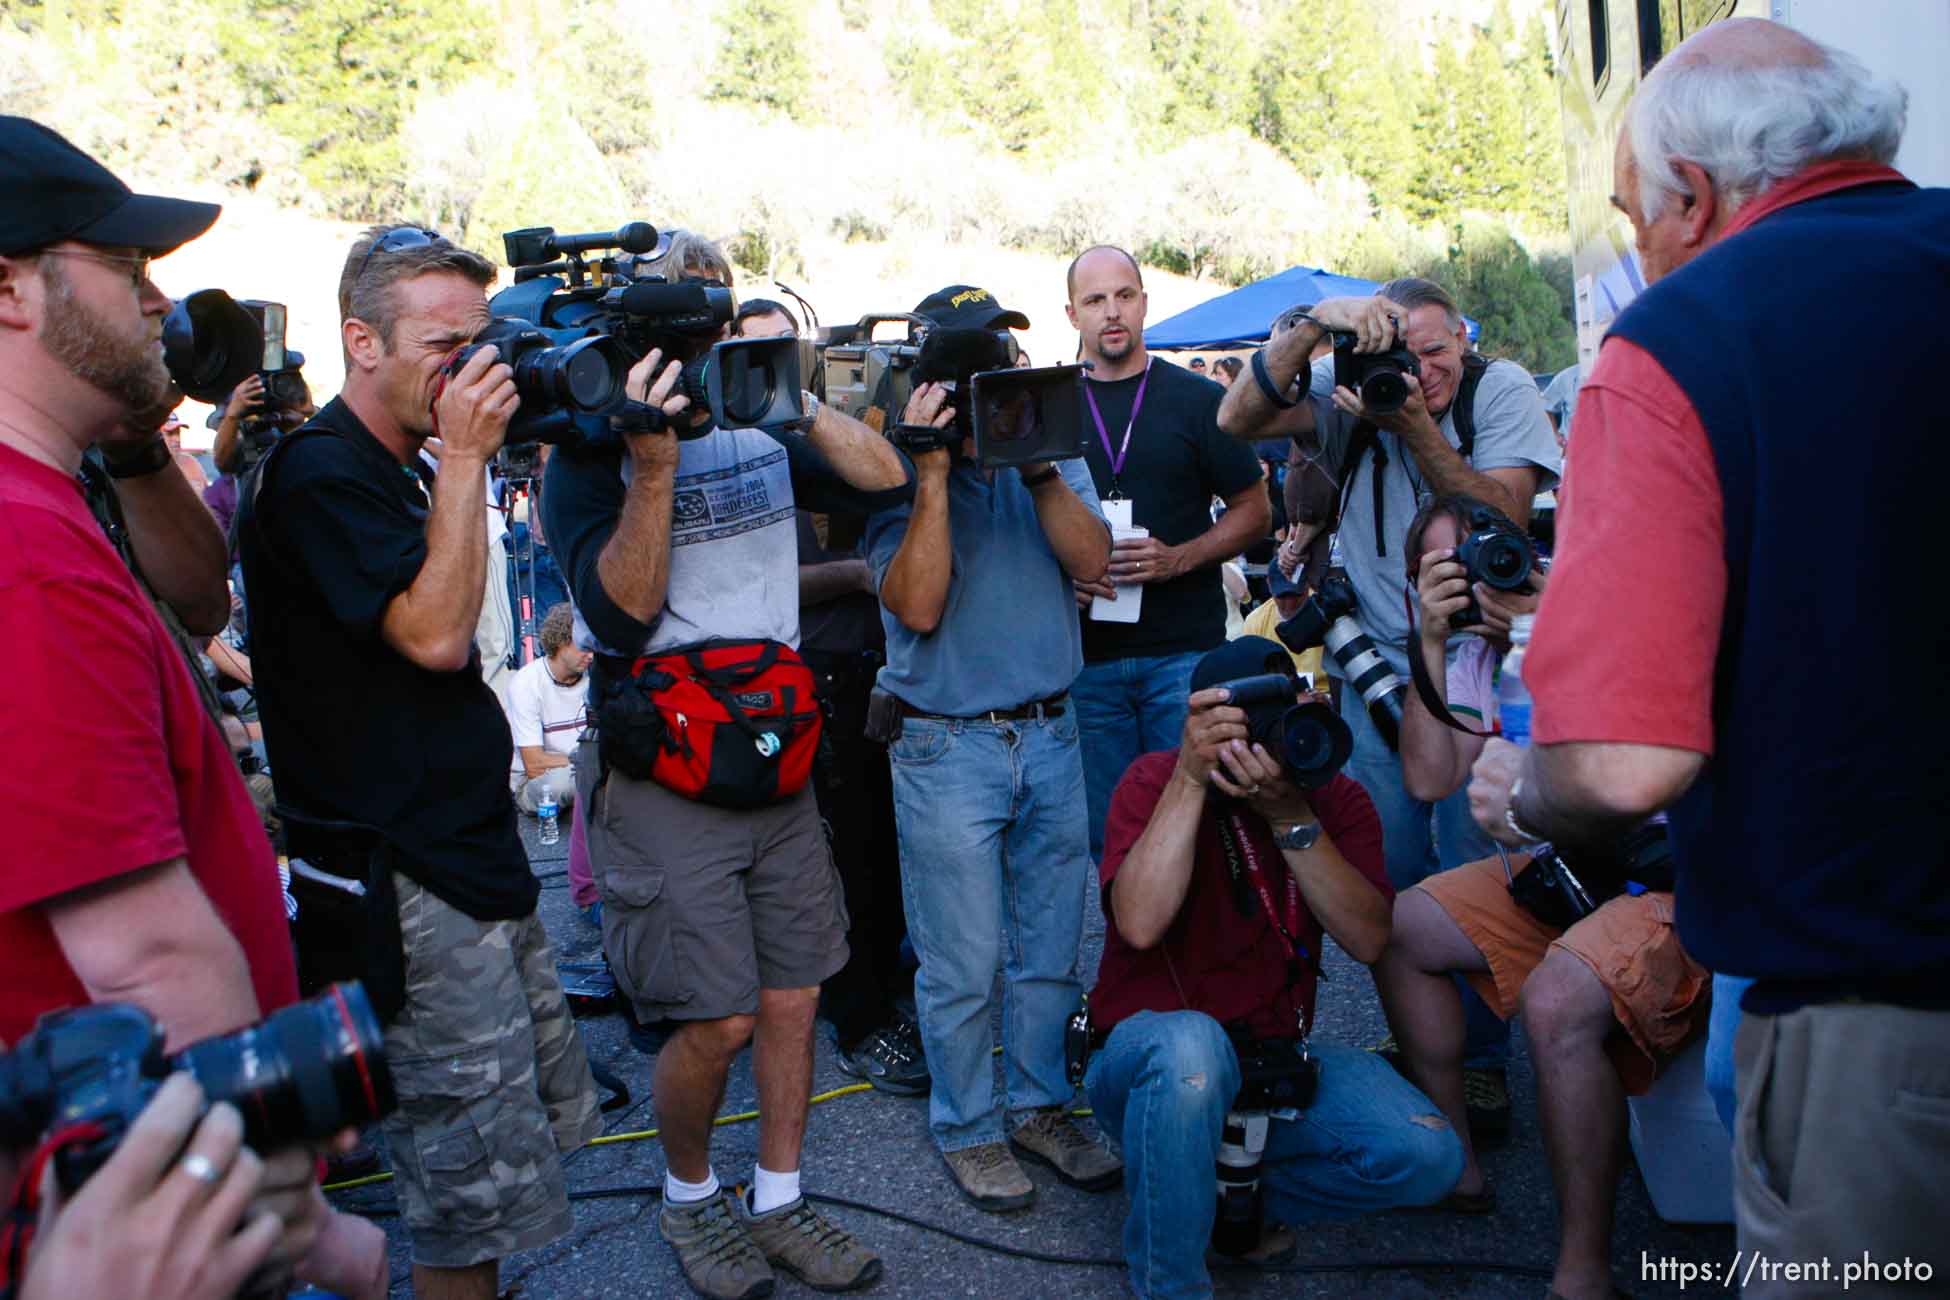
<point x="1659" y="995"/>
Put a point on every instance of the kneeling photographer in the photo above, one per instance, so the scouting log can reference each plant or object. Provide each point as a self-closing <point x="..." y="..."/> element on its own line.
<point x="1225" y="863"/>
<point x="1580" y="939"/>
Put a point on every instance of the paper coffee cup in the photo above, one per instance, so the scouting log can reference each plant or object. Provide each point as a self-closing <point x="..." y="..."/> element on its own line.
<point x="1130" y="600"/>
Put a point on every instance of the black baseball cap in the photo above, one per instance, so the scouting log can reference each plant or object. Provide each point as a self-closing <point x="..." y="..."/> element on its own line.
<point x="1245" y="656"/>
<point x="50" y="191"/>
<point x="964" y="307"/>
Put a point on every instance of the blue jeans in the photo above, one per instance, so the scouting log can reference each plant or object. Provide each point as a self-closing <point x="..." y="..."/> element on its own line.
<point x="1127" y="707"/>
<point x="1721" y="1027"/>
<point x="995" y="863"/>
<point x="1417" y="840"/>
<point x="1162" y="1084"/>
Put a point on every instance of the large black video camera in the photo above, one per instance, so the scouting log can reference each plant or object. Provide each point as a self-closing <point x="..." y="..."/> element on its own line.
<point x="1016" y="416"/>
<point x="1310" y="740"/>
<point x="1328" y="619"/>
<point x="1496" y="553"/>
<point x="211" y="344"/>
<point x="572" y="332"/>
<point x="1381" y="378"/>
<point x="304" y="1074"/>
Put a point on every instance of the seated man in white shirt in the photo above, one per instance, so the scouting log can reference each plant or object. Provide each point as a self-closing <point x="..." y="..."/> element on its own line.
<point x="547" y="705"/>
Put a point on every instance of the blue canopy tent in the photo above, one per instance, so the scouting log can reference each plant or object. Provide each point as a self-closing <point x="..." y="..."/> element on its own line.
<point x="1242" y="317"/>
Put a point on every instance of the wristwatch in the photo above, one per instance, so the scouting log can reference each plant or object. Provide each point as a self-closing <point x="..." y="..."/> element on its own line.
<point x="1297" y="836"/>
<point x="1513" y="820"/>
<point x="810" y="405"/>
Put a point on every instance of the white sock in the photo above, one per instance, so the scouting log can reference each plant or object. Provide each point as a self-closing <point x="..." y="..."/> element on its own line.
<point x="679" y="1192"/>
<point x="770" y="1190"/>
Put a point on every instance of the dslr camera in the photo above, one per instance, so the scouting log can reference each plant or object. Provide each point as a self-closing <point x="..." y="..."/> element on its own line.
<point x="1381" y="378"/>
<point x="304" y="1074"/>
<point x="1309" y="739"/>
<point x="1328" y="619"/>
<point x="1496" y="553"/>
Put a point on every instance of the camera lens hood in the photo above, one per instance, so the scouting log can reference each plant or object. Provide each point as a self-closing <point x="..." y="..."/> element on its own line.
<point x="211" y="344"/>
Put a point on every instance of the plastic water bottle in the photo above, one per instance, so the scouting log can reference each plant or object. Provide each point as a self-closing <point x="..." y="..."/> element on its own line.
<point x="1512" y="696"/>
<point x="545" y="813"/>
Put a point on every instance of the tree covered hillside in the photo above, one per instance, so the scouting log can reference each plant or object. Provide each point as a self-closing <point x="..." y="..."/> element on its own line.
<point x="1220" y="140"/>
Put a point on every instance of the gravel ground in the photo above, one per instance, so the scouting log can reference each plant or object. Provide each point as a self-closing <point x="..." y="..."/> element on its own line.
<point x="874" y="1149"/>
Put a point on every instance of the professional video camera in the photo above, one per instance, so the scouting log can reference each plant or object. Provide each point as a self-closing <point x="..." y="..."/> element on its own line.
<point x="304" y="1074"/>
<point x="1381" y="378"/>
<point x="1309" y="739"/>
<point x="211" y="344"/>
<point x="863" y="376"/>
<point x="1496" y="553"/>
<point x="1016" y="416"/>
<point x="1328" y="619"/>
<point x="280" y="370"/>
<point x="572" y="331"/>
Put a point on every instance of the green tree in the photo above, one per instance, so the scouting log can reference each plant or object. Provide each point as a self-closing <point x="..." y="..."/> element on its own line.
<point x="1331" y="94"/>
<point x="1205" y="62"/>
<point x="339" y="77"/>
<point x="763" y="58"/>
<point x="1542" y="171"/>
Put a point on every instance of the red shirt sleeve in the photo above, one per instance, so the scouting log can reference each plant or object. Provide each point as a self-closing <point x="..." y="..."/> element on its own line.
<point x="1131" y="804"/>
<point x="1347" y="815"/>
<point x="1629" y="625"/>
<point x="95" y="793"/>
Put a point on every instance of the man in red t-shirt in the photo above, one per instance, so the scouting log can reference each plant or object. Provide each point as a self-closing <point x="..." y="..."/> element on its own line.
<point x="1221" y="874"/>
<point x="140" y="871"/>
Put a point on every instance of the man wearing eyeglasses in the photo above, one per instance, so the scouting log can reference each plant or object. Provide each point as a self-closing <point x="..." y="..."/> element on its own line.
<point x="364" y="572"/>
<point x="138" y="870"/>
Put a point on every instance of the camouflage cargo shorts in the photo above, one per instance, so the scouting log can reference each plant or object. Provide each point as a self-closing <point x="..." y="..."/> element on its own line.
<point x="493" y="1085"/>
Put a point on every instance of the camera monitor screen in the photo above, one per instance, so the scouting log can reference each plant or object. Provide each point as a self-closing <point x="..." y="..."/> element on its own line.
<point x="1027" y="415"/>
<point x="754" y="383"/>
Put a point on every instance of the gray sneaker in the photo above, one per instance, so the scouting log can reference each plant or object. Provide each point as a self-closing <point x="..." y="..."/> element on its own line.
<point x="1047" y="1136"/>
<point x="813" y="1249"/>
<point x="989" y="1176"/>
<point x="719" y="1260"/>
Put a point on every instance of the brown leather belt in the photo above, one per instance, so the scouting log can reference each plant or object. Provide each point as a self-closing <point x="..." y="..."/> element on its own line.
<point x="1049" y="708"/>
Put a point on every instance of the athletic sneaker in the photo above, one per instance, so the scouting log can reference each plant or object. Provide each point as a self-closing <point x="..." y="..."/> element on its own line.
<point x="1047" y="1136"/>
<point x="719" y="1260"/>
<point x="1487" y="1094"/>
<point x="823" y="1255"/>
<point x="989" y="1176"/>
<point x="891" y="1059"/>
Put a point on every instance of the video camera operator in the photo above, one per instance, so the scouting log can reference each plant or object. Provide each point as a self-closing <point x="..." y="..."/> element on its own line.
<point x="1222" y="872"/>
<point x="1464" y="426"/>
<point x="363" y="599"/>
<point x="165" y="892"/>
<point x="248" y="425"/>
<point x="1608" y="994"/>
<point x="983" y="644"/>
<point x="721" y="907"/>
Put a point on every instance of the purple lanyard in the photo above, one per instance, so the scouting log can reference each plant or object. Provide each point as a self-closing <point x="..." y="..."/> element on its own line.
<point x="1116" y="458"/>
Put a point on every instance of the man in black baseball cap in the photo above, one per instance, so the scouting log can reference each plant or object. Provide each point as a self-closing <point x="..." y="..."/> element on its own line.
<point x="51" y="191"/>
<point x="965" y="307"/>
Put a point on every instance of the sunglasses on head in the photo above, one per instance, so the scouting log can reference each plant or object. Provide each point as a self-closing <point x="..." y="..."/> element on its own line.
<point x="394" y="241"/>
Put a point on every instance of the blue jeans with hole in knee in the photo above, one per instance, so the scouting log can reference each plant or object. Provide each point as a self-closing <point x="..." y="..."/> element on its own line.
<point x="1419" y="839"/>
<point x="1127" y="707"/>
<point x="995" y="864"/>
<point x="1161" y="1085"/>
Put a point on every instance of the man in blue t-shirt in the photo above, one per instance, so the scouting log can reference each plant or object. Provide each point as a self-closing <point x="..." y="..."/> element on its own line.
<point x="982" y="645"/>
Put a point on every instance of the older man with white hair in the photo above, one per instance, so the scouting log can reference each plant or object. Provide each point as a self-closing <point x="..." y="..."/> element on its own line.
<point x="1712" y="570"/>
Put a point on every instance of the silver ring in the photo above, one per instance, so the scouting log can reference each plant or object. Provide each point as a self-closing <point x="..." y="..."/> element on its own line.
<point x="202" y="1168"/>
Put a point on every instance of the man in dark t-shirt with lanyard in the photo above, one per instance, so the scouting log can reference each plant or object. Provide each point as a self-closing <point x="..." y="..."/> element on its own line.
<point x="1158" y="459"/>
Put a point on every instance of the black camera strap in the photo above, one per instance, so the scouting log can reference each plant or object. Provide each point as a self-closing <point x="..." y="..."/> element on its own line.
<point x="1366" y="436"/>
<point x="1418" y="669"/>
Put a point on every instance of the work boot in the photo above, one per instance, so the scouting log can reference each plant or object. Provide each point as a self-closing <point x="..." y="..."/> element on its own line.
<point x="989" y="1176"/>
<point x="719" y="1260"/>
<point x="1047" y="1136"/>
<point x="820" y="1253"/>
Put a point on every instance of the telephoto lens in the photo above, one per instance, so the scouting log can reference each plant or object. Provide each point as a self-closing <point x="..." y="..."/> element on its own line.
<point x="1236" y="1230"/>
